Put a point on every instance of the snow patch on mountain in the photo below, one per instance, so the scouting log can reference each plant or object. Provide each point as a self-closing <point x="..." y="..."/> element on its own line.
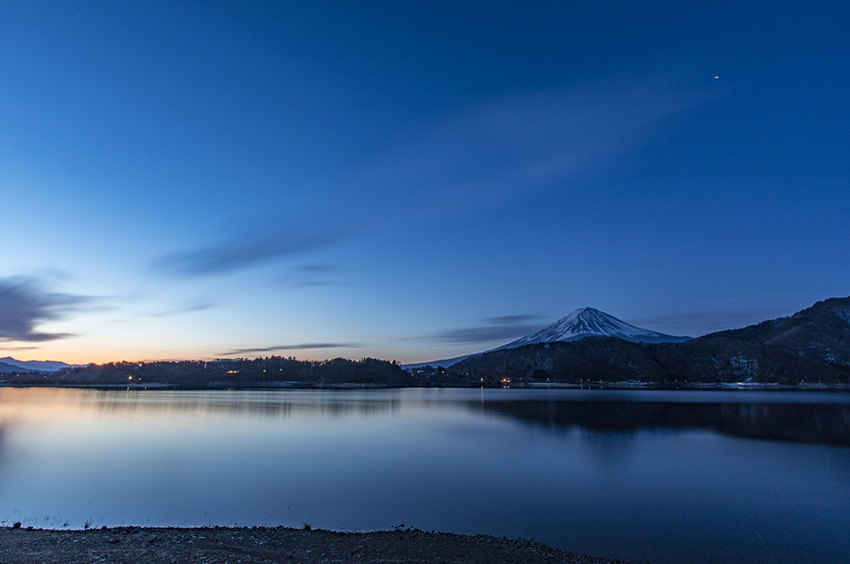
<point x="590" y="322"/>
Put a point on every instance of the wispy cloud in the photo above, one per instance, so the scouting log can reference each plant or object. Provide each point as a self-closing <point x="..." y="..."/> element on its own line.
<point x="524" y="143"/>
<point x="314" y="275"/>
<point x="491" y="329"/>
<point x="317" y="283"/>
<point x="188" y="308"/>
<point x="241" y="252"/>
<point x="303" y="346"/>
<point x="316" y="268"/>
<point x="25" y="305"/>
<point x="701" y="322"/>
<point x="512" y="319"/>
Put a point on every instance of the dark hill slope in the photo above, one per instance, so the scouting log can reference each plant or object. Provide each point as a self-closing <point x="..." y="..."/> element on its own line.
<point x="612" y="360"/>
<point x="819" y="334"/>
<point x="812" y="346"/>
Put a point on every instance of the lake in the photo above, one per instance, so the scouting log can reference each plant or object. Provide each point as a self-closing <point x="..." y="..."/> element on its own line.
<point x="691" y="476"/>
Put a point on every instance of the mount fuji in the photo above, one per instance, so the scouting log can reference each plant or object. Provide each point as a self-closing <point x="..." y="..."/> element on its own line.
<point x="590" y="322"/>
<point x="581" y="323"/>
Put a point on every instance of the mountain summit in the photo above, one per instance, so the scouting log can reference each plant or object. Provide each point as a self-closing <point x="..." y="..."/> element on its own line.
<point x="590" y="322"/>
<point x="581" y="323"/>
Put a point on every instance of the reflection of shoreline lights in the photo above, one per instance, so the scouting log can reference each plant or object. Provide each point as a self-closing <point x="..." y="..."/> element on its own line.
<point x="59" y="403"/>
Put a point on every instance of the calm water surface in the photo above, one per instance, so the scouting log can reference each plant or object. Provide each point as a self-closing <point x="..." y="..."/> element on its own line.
<point x="667" y="476"/>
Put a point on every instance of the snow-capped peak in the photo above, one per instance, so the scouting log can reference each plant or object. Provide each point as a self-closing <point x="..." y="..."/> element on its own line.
<point x="590" y="322"/>
<point x="581" y="323"/>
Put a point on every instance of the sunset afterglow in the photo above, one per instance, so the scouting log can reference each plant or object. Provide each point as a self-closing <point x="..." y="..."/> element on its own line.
<point x="203" y="180"/>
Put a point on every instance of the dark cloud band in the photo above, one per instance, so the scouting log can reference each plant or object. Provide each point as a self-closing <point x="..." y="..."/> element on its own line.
<point x="243" y="252"/>
<point x="24" y="305"/>
<point x="501" y="328"/>
<point x="304" y="346"/>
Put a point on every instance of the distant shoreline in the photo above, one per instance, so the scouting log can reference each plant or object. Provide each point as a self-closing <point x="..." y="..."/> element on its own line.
<point x="683" y="386"/>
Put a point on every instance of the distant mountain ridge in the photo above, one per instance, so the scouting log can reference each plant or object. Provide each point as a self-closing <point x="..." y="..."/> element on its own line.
<point x="579" y="324"/>
<point x="8" y="368"/>
<point x="9" y="364"/>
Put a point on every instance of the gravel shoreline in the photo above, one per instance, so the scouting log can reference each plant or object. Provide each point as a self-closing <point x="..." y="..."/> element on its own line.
<point x="279" y="545"/>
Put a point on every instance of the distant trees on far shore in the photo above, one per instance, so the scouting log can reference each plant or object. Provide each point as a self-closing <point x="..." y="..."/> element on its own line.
<point x="237" y="372"/>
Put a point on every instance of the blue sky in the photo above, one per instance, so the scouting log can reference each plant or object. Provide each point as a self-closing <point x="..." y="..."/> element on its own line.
<point x="412" y="180"/>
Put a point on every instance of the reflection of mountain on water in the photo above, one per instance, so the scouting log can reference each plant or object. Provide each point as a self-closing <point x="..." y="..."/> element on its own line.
<point x="803" y="423"/>
<point x="271" y="405"/>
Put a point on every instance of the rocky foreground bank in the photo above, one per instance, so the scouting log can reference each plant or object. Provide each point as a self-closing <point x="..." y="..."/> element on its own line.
<point x="261" y="545"/>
